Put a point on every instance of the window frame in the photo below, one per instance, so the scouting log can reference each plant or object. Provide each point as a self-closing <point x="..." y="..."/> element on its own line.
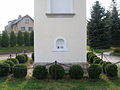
<point x="50" y="9"/>
<point x="55" y="45"/>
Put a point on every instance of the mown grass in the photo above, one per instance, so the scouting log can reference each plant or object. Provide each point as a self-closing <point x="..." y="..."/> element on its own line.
<point x="65" y="84"/>
<point x="16" y="49"/>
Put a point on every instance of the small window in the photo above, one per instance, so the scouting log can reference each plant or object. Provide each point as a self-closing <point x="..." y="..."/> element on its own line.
<point x="60" y="6"/>
<point x="26" y="21"/>
<point x="22" y="28"/>
<point x="30" y="28"/>
<point x="60" y="44"/>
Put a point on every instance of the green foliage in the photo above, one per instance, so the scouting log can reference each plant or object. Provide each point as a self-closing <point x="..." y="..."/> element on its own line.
<point x="21" y="58"/>
<point x="20" y="71"/>
<point x="76" y="72"/>
<point x="4" y="69"/>
<point x="98" y="35"/>
<point x="56" y="71"/>
<point x="40" y="72"/>
<point x="0" y="40"/>
<point x="96" y="60"/>
<point x="14" y="60"/>
<point x="104" y="66"/>
<point x="26" y="38"/>
<point x="11" y="65"/>
<point x="90" y="57"/>
<point x="13" y="39"/>
<point x="5" y="39"/>
<point x="20" y="40"/>
<point x="111" y="70"/>
<point x="32" y="38"/>
<point x="94" y="71"/>
<point x="26" y="57"/>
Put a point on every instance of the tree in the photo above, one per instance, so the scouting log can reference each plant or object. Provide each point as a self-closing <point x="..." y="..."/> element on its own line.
<point x="32" y="38"/>
<point x="98" y="36"/>
<point x="115" y="30"/>
<point x="5" y="39"/>
<point x="20" y="41"/>
<point x="12" y="39"/>
<point x="26" y="38"/>
<point x="0" y="39"/>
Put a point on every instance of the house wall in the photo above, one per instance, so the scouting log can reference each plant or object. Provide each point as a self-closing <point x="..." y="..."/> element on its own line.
<point x="49" y="27"/>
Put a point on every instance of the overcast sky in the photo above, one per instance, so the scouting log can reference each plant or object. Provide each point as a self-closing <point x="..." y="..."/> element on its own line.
<point x="10" y="9"/>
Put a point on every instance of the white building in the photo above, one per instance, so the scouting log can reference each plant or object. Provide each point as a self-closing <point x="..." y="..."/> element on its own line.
<point x="60" y="31"/>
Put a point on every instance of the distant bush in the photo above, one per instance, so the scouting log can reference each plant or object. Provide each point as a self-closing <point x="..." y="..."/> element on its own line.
<point x="76" y="72"/>
<point x="40" y="72"/>
<point x="21" y="58"/>
<point x="20" y="71"/>
<point x="104" y="66"/>
<point x="56" y="71"/>
<point x="111" y="70"/>
<point x="96" y="60"/>
<point x="11" y="65"/>
<point x="14" y="60"/>
<point x="94" y="71"/>
<point x="25" y="57"/>
<point x="4" y="69"/>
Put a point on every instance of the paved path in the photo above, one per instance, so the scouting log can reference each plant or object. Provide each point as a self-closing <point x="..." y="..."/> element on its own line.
<point x="108" y="57"/>
<point x="3" y="57"/>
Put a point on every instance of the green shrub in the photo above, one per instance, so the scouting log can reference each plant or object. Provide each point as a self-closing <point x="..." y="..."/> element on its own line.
<point x="4" y="69"/>
<point x="21" y="58"/>
<point x="76" y="72"/>
<point x="26" y="57"/>
<point x="11" y="65"/>
<point x="20" y="71"/>
<point x="96" y="60"/>
<point x="40" y="72"/>
<point x="104" y="66"/>
<point x="94" y="71"/>
<point x="32" y="57"/>
<point x="90" y="57"/>
<point x="14" y="60"/>
<point x="56" y="71"/>
<point x="88" y="54"/>
<point x="111" y="70"/>
<point x="101" y="62"/>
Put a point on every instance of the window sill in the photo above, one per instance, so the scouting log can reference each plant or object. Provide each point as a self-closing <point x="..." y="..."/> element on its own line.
<point x="60" y="13"/>
<point x="60" y="50"/>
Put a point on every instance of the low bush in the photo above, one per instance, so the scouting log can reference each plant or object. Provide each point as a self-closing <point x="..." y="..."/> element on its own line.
<point x="21" y="58"/>
<point x="26" y="57"/>
<point x="76" y="72"/>
<point x="14" y="60"/>
<point x="11" y="65"/>
<point x="104" y="66"/>
<point x="90" y="57"/>
<point x="96" y="60"/>
<point x="20" y="71"/>
<point x="32" y="57"/>
<point x="4" y="69"/>
<point x="101" y="62"/>
<point x="56" y="71"/>
<point x="94" y="71"/>
<point x="40" y="72"/>
<point x="111" y="70"/>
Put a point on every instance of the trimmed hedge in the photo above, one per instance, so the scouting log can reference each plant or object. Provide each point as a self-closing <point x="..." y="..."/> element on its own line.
<point x="111" y="70"/>
<point x="21" y="58"/>
<point x="96" y="60"/>
<point x="4" y="69"/>
<point x="104" y="66"/>
<point x="40" y="72"/>
<point x="14" y="60"/>
<point x="20" y="71"/>
<point x="26" y="57"/>
<point x="76" y="72"/>
<point x="90" y="57"/>
<point x="94" y="71"/>
<point x="56" y="71"/>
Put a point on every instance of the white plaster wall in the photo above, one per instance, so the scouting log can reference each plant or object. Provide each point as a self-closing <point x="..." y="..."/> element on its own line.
<point x="71" y="27"/>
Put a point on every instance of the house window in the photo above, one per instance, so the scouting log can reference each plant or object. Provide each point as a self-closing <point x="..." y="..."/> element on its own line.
<point x="26" y="21"/>
<point x="30" y="28"/>
<point x="60" y="6"/>
<point x="60" y="44"/>
<point x="22" y="28"/>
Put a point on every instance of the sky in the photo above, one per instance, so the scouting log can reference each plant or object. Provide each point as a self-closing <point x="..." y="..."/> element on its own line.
<point x="10" y="9"/>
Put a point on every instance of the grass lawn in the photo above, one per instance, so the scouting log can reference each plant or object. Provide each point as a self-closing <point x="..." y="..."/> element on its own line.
<point x="84" y="84"/>
<point x="17" y="48"/>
